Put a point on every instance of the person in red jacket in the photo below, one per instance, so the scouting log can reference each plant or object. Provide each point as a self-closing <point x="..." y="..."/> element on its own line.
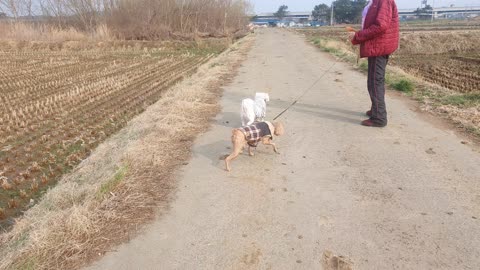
<point x="378" y="39"/>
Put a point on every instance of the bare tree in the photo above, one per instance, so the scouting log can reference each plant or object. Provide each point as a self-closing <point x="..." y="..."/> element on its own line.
<point x="11" y="7"/>
<point x="26" y="7"/>
<point x="141" y="19"/>
<point x="17" y="8"/>
<point x="161" y="17"/>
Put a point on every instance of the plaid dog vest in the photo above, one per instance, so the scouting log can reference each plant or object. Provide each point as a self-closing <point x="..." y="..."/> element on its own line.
<point x="254" y="133"/>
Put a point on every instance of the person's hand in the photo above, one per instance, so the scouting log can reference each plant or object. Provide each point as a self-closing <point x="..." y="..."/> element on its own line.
<point x="351" y="36"/>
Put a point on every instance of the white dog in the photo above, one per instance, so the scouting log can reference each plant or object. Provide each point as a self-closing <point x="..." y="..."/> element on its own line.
<point x="254" y="110"/>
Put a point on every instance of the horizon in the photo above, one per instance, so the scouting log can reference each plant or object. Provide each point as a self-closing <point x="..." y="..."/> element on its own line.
<point x="270" y="6"/>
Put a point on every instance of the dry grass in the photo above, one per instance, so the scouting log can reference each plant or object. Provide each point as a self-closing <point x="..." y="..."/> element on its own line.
<point x="438" y="42"/>
<point x="125" y="19"/>
<point x="433" y="99"/>
<point x="124" y="182"/>
<point x="19" y="31"/>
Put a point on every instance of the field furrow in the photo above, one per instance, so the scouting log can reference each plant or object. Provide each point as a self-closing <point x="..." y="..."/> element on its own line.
<point x="56" y="107"/>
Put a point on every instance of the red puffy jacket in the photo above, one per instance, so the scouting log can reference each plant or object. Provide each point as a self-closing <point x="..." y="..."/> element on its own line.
<point x="380" y="33"/>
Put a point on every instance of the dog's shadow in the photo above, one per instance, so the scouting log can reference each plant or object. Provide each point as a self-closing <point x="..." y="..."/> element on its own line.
<point x="216" y="152"/>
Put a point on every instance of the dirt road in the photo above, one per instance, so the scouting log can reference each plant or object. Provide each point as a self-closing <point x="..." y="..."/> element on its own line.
<point x="403" y="197"/>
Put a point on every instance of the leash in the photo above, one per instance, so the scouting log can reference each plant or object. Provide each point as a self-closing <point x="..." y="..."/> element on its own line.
<point x="304" y="93"/>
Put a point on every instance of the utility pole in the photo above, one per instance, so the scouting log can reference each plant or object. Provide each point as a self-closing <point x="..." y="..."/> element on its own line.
<point x="433" y="9"/>
<point x="331" y="15"/>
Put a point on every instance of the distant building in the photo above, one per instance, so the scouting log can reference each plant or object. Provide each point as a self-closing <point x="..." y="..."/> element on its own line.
<point x="442" y="13"/>
<point x="290" y="19"/>
<point x="305" y="18"/>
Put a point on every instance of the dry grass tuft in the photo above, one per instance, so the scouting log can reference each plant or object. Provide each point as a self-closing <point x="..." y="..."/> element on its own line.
<point x="438" y="42"/>
<point x="19" y="31"/>
<point x="125" y="181"/>
<point x="433" y="99"/>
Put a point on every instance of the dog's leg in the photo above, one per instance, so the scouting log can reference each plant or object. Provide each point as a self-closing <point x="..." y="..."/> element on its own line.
<point x="250" y="151"/>
<point x="238" y="142"/>
<point x="268" y="141"/>
<point x="231" y="157"/>
<point x="250" y="116"/>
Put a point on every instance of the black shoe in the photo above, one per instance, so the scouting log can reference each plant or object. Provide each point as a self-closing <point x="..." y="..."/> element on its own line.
<point x="371" y="123"/>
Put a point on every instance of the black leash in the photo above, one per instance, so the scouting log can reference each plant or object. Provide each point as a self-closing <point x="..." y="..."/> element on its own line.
<point x="304" y="93"/>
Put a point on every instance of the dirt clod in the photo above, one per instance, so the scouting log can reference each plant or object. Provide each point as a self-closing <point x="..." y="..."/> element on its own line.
<point x="334" y="262"/>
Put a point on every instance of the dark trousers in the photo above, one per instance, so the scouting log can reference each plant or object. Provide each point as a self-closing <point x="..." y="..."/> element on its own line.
<point x="376" y="88"/>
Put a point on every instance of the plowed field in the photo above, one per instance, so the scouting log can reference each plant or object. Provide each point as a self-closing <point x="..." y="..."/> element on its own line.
<point x="57" y="105"/>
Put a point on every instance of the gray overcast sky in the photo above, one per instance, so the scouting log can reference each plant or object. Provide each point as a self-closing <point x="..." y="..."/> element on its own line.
<point x="307" y="5"/>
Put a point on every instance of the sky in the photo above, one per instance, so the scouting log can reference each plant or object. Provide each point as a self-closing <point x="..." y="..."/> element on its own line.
<point x="307" y="5"/>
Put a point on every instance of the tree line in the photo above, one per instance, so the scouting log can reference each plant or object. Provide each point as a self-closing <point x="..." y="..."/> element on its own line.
<point x="424" y="12"/>
<point x="136" y="19"/>
<point x="344" y="11"/>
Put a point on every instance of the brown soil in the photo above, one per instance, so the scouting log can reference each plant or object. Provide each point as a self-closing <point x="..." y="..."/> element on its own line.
<point x="60" y="104"/>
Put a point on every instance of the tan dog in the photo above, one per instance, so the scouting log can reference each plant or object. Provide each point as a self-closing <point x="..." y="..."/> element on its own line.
<point x="252" y="135"/>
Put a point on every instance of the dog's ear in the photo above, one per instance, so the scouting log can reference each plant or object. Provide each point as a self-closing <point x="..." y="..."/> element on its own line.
<point x="264" y="96"/>
<point x="279" y="129"/>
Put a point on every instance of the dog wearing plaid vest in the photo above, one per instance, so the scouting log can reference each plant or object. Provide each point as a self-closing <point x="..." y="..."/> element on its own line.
<point x="251" y="135"/>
